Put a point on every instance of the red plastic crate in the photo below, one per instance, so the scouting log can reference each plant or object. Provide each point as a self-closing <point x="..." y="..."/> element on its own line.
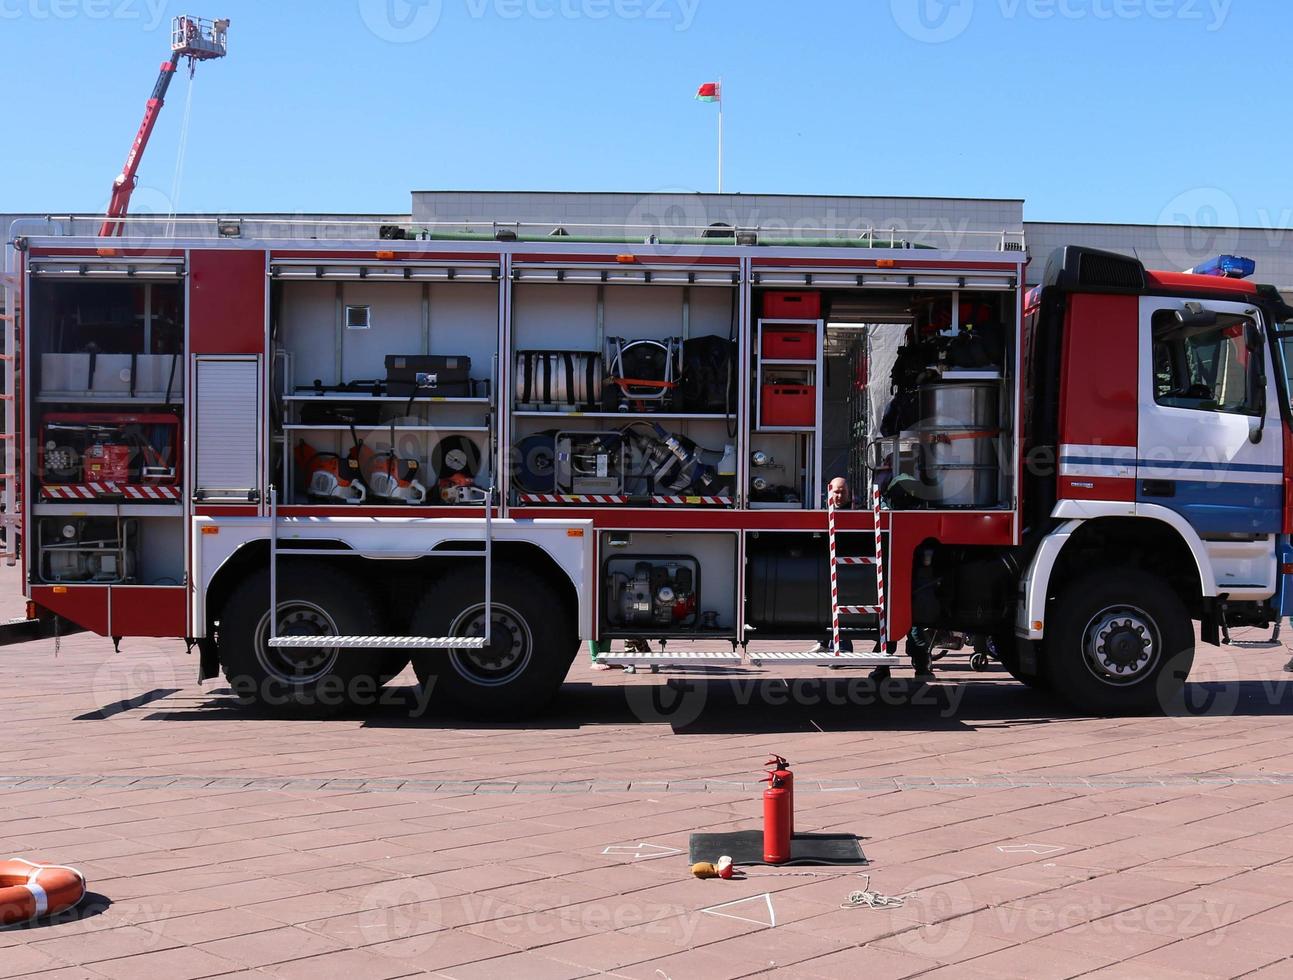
<point x="792" y="305"/>
<point x="789" y="343"/>
<point x="788" y="405"/>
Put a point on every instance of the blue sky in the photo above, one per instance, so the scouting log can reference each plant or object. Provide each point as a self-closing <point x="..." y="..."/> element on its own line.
<point x="1088" y="109"/>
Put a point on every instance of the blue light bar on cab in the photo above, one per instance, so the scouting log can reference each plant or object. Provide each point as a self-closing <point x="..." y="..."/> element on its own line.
<point x="1227" y="266"/>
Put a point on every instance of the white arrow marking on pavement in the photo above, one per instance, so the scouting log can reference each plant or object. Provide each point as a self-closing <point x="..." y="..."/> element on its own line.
<point x="641" y="850"/>
<point x="766" y="897"/>
<point x="1038" y="849"/>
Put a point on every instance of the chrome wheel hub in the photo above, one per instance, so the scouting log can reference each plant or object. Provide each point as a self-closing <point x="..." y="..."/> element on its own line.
<point x="510" y="648"/>
<point x="298" y="665"/>
<point x="1121" y="645"/>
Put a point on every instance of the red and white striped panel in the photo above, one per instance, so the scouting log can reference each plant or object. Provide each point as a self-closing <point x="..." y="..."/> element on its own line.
<point x="95" y="491"/>
<point x="79" y="491"/>
<point x="710" y="501"/>
<point x="148" y="492"/>
<point x="856" y="561"/>
<point x="572" y="498"/>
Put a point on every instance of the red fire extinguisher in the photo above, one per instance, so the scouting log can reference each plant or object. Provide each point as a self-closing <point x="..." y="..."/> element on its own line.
<point x="778" y="766"/>
<point x="776" y="820"/>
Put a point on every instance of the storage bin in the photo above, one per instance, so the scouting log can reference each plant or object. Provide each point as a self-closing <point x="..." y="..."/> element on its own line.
<point x="789" y="344"/>
<point x="788" y="405"/>
<point x="792" y="305"/>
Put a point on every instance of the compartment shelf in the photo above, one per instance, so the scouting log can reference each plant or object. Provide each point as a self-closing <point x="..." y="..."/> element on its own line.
<point x="529" y="499"/>
<point x="403" y="399"/>
<point x="111" y="398"/>
<point x="969" y="374"/>
<point x="89" y="508"/>
<point x="382" y="427"/>
<point x="626" y="416"/>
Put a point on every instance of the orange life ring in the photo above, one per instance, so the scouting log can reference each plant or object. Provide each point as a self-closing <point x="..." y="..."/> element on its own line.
<point x="28" y="891"/>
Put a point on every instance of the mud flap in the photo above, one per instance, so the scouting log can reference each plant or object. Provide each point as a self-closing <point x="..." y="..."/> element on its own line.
<point x="208" y="659"/>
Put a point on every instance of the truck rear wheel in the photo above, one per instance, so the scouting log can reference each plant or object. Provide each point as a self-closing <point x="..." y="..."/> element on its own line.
<point x="1119" y="641"/>
<point x="313" y="600"/>
<point x="533" y="644"/>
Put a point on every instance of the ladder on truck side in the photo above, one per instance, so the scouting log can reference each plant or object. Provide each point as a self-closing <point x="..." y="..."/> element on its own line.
<point x="382" y="642"/>
<point x="837" y="656"/>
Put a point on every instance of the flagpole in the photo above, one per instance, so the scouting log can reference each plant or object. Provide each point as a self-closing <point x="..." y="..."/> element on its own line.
<point x="720" y="134"/>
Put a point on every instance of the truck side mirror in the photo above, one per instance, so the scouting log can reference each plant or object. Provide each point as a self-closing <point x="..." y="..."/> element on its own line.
<point x="1257" y="351"/>
<point x="1255" y="435"/>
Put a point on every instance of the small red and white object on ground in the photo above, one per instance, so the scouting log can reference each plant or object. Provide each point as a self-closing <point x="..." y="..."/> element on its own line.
<point x="29" y="891"/>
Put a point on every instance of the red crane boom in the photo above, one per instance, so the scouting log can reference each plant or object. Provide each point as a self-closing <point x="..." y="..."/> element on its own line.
<point x="192" y="38"/>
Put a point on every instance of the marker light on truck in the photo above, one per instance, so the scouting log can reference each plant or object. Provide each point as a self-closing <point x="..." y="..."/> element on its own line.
<point x="1227" y="266"/>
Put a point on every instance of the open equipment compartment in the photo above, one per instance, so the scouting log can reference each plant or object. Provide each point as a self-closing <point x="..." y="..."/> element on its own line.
<point x="107" y="368"/>
<point x="939" y="412"/>
<point x="667" y="585"/>
<point x="624" y="389"/>
<point x="913" y="386"/>
<point x="385" y="381"/>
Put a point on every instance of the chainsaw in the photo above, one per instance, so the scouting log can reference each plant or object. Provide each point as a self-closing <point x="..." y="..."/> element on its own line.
<point x="331" y="476"/>
<point x="393" y="479"/>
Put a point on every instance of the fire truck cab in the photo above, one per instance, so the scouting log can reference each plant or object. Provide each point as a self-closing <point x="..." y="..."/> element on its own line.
<point x="476" y="449"/>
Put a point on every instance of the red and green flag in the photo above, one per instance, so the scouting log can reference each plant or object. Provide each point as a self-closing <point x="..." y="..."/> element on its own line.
<point x="709" y="92"/>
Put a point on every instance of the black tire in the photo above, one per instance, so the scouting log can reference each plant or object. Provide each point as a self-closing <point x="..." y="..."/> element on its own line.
<point x="1119" y="641"/>
<point x="534" y="644"/>
<point x="312" y="598"/>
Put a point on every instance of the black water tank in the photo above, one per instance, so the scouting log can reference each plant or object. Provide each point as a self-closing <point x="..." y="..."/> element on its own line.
<point x="788" y="584"/>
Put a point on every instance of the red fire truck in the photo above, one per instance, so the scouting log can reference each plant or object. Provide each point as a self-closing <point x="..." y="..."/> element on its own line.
<point x="478" y="448"/>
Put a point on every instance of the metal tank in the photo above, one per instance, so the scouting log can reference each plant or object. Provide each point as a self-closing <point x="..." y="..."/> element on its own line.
<point x="959" y="432"/>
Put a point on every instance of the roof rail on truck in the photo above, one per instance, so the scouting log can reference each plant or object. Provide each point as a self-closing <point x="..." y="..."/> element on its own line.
<point x="924" y="237"/>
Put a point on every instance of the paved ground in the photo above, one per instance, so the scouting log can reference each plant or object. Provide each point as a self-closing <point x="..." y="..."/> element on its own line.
<point x="1027" y="842"/>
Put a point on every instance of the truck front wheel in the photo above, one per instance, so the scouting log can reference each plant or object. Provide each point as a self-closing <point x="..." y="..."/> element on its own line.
<point x="1118" y="641"/>
<point x="532" y="644"/>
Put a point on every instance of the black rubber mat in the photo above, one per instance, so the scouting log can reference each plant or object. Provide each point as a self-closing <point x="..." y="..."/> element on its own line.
<point x="746" y="847"/>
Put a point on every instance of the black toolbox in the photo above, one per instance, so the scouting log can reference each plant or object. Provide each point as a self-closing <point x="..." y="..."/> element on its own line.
<point x="428" y="375"/>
